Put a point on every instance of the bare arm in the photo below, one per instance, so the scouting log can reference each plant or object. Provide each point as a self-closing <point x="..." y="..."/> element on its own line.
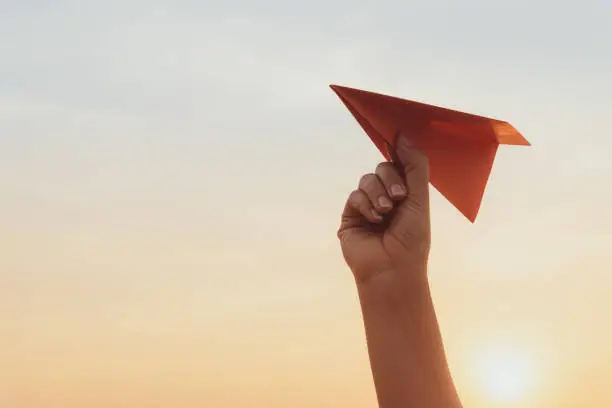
<point x="385" y="238"/>
<point x="404" y="343"/>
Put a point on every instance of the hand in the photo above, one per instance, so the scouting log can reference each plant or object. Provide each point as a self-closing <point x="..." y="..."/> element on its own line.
<point x="385" y="226"/>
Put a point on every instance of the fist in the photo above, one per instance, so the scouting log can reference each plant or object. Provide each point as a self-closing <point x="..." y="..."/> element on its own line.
<point x="385" y="226"/>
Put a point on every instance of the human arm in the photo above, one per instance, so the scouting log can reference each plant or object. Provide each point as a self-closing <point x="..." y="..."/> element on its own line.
<point x="387" y="248"/>
<point x="404" y="343"/>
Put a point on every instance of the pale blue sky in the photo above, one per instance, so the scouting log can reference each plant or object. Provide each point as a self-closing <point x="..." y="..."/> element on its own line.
<point x="164" y="158"/>
<point x="171" y="107"/>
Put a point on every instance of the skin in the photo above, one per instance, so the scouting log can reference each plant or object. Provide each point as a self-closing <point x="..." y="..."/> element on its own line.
<point x="385" y="239"/>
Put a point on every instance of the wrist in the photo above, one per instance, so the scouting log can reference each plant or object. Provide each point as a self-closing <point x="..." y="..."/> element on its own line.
<point x="393" y="286"/>
<point x="413" y="271"/>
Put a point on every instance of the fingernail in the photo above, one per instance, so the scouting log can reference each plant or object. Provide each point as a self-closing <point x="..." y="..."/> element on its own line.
<point x="397" y="190"/>
<point x="377" y="215"/>
<point x="384" y="202"/>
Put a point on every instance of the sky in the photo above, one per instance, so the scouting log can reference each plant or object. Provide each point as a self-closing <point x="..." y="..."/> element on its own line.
<point x="172" y="175"/>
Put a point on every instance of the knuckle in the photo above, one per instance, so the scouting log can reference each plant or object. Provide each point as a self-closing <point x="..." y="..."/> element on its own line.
<point x="367" y="180"/>
<point x="353" y="196"/>
<point x="382" y="167"/>
<point x="389" y="173"/>
<point x="357" y="199"/>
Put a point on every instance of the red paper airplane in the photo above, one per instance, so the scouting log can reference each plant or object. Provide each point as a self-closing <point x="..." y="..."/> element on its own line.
<point x="460" y="146"/>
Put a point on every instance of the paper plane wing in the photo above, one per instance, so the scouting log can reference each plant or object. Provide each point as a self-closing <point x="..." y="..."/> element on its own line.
<point x="461" y="147"/>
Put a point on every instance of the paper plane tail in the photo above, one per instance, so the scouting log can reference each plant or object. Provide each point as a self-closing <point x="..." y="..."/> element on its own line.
<point x="508" y="135"/>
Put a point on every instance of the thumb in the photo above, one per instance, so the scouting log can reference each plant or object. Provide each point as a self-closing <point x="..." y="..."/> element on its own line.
<point x="415" y="166"/>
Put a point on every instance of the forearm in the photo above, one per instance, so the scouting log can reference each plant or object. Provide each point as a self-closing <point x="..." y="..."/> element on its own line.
<point x="404" y="343"/>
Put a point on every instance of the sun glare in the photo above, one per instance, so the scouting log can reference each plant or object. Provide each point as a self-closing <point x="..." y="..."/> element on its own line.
<point x="506" y="375"/>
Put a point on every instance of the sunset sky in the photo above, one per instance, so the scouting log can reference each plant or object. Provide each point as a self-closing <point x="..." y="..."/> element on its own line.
<point x="172" y="174"/>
